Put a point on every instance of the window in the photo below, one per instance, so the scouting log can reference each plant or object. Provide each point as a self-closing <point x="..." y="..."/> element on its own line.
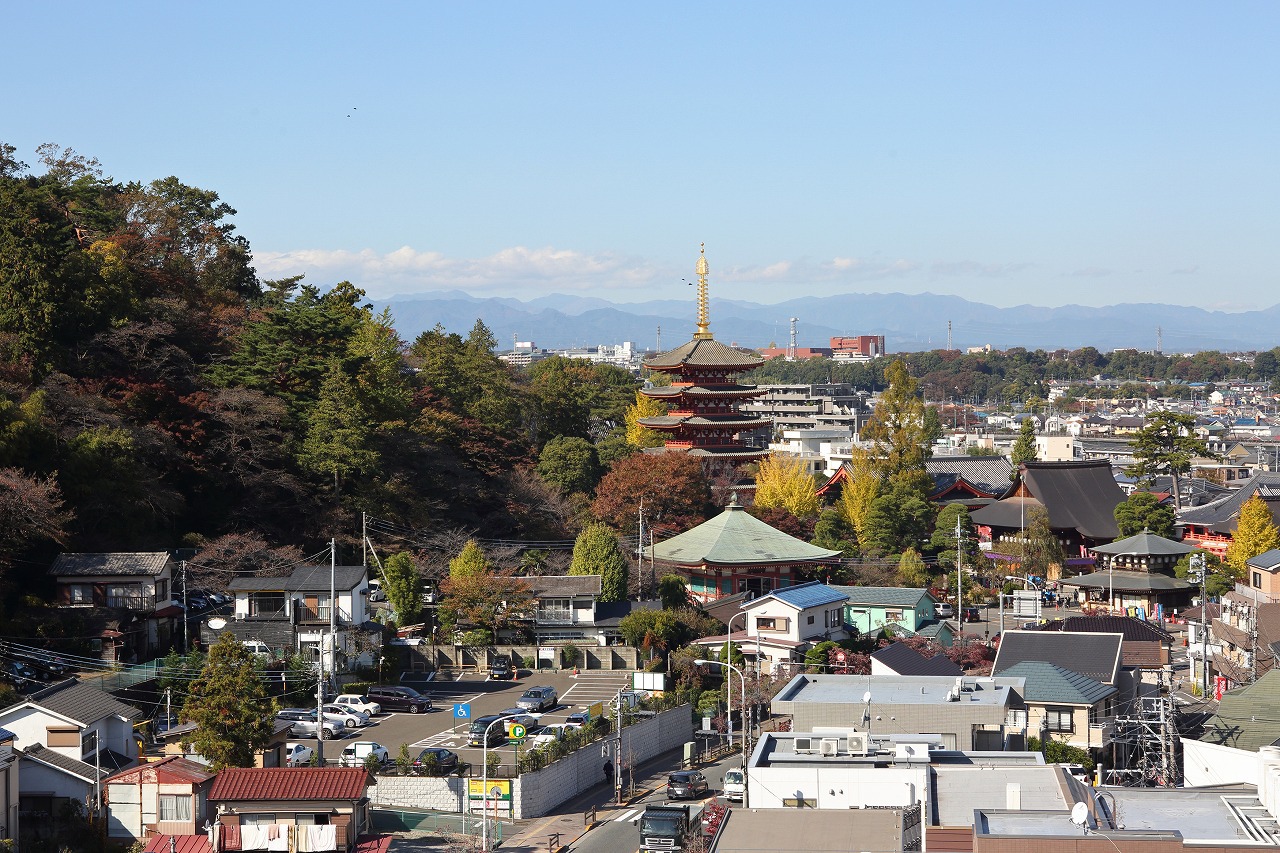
<point x="1016" y="718"/>
<point x="1257" y="580"/>
<point x="129" y="597"/>
<point x="162" y="590"/>
<point x="175" y="807"/>
<point x="766" y="623"/>
<point x="80" y="593"/>
<point x="63" y="737"/>
<point x="799" y="803"/>
<point x="893" y="615"/>
<point x="810" y="618"/>
<point x="1059" y="719"/>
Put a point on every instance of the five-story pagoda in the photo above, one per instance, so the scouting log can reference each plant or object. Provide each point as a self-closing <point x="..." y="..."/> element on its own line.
<point x="702" y="400"/>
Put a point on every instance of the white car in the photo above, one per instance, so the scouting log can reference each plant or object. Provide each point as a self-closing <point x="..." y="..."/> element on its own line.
<point x="944" y="610"/>
<point x="357" y="702"/>
<point x="355" y="754"/>
<point x="350" y="718"/>
<point x="298" y="755"/>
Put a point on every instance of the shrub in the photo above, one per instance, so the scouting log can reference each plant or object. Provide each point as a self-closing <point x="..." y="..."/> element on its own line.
<point x="569" y="655"/>
<point x="356" y="687"/>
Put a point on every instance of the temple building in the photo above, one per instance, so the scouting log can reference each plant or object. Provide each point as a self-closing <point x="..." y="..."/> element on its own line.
<point x="703" y="418"/>
<point x="735" y="552"/>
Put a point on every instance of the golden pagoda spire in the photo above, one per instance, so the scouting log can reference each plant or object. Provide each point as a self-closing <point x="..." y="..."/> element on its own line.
<point x="704" y="325"/>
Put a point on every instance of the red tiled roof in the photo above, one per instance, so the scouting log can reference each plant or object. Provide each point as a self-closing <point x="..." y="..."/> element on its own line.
<point x="182" y="844"/>
<point x="290" y="783"/>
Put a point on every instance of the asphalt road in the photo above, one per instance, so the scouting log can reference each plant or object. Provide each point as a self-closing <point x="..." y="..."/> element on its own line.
<point x="439" y="727"/>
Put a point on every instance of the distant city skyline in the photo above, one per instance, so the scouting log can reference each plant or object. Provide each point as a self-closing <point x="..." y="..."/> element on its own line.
<point x="1087" y="153"/>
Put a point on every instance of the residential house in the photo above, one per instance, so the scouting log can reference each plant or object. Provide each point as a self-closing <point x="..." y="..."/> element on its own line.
<point x="315" y="808"/>
<point x="964" y="713"/>
<point x="133" y="617"/>
<point x="781" y="626"/>
<point x="1145" y="646"/>
<point x="55" y="787"/>
<point x="10" y="786"/>
<point x="1077" y="710"/>
<point x="78" y="721"/>
<point x="1244" y="639"/>
<point x="292" y="614"/>
<point x="167" y="797"/>
<point x="1264" y="574"/>
<point x="871" y="609"/>
<point x="565" y="608"/>
<point x="271" y="754"/>
<point x="901" y="659"/>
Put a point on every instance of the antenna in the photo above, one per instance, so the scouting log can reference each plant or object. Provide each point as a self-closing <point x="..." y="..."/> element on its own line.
<point x="948" y="336"/>
<point x="1080" y="816"/>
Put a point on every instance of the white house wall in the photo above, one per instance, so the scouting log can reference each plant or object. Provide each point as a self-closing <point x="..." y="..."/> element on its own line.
<point x="837" y="787"/>
<point x="1211" y="764"/>
<point x="44" y="779"/>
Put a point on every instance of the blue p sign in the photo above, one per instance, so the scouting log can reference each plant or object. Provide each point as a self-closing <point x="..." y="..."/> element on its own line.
<point x="462" y="711"/>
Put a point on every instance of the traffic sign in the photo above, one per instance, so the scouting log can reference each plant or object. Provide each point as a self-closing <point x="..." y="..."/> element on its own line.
<point x="462" y="710"/>
<point x="517" y="732"/>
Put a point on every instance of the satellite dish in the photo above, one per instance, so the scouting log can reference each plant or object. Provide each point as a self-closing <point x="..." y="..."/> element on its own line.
<point x="1080" y="816"/>
<point x="866" y="697"/>
<point x="217" y="623"/>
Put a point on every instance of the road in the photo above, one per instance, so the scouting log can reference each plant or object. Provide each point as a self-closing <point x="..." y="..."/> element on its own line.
<point x="439" y="728"/>
<point x="615" y="832"/>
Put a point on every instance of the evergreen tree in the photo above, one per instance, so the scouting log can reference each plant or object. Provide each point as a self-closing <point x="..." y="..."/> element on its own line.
<point x="402" y="583"/>
<point x="1042" y="548"/>
<point x="570" y="464"/>
<point x="229" y="704"/>
<point x="338" y="435"/>
<point x="903" y="430"/>
<point x="1166" y="445"/>
<point x="1255" y="534"/>
<point x="1143" y="511"/>
<point x="1024" y="449"/>
<point x="470" y="562"/>
<point x="912" y="572"/>
<point x="597" y="552"/>
<point x="673" y="592"/>
<point x="944" y="536"/>
<point x="784" y="481"/>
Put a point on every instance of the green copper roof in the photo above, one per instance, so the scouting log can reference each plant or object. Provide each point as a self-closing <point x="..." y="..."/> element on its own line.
<point x="1144" y="544"/>
<point x="736" y="538"/>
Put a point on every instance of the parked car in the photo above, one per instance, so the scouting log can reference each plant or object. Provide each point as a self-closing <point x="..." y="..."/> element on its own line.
<point x="399" y="698"/>
<point x="357" y="702"/>
<point x="687" y="785"/>
<point x="355" y="754"/>
<point x="497" y="734"/>
<point x="303" y="723"/>
<point x="519" y="715"/>
<point x="538" y="699"/>
<point x="47" y="665"/>
<point x="500" y="668"/>
<point x="578" y="718"/>
<point x="735" y="785"/>
<point x="943" y="610"/>
<point x="349" y="717"/>
<point x="18" y="674"/>
<point x="971" y="614"/>
<point x="437" y="761"/>
<point x="298" y="755"/>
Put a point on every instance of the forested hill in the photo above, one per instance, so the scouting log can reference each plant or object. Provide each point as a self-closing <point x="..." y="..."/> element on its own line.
<point x="154" y="393"/>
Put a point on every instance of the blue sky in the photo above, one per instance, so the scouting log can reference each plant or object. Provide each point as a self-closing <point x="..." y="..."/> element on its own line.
<point x="1009" y="153"/>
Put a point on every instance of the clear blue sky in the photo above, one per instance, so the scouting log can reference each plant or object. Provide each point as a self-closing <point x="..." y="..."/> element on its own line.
<point x="1008" y="153"/>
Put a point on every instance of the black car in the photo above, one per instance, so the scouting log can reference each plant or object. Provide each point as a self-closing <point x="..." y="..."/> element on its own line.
<point x="687" y="785"/>
<point x="500" y="668"/>
<point x="488" y="727"/>
<point x="970" y="614"/>
<point x="399" y="698"/>
<point x="436" y="761"/>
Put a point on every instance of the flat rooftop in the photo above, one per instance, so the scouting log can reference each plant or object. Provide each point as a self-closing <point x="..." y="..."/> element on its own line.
<point x="811" y="830"/>
<point x="896" y="690"/>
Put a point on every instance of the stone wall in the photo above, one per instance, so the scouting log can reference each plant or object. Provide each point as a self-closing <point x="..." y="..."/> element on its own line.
<point x="444" y="794"/>
<point x="426" y="657"/>
<point x="536" y="794"/>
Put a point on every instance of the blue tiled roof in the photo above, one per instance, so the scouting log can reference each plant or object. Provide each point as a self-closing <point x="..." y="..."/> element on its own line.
<point x="1046" y="682"/>
<point x="5" y="735"/>
<point x="812" y="594"/>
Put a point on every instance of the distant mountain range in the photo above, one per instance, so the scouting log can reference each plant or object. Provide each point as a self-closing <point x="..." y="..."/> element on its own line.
<point x="908" y="321"/>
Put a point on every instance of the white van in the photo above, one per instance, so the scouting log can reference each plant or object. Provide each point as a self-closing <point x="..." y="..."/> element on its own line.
<point x="734" y="785"/>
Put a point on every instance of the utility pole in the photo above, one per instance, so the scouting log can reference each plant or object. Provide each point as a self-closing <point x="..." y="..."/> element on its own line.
<point x="959" y="584"/>
<point x="640" y="552"/>
<point x="186" y="622"/>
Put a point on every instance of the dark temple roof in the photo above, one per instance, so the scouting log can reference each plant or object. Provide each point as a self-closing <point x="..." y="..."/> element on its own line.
<point x="1221" y="516"/>
<point x="1079" y="496"/>
<point x="703" y="352"/>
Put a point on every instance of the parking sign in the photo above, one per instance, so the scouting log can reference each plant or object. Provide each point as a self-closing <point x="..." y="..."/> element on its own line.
<point x="462" y="710"/>
<point x="517" y="732"/>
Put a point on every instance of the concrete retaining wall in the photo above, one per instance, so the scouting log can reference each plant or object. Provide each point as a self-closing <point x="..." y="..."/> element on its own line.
<point x="536" y="794"/>
<point x="444" y="794"/>
<point x="425" y="656"/>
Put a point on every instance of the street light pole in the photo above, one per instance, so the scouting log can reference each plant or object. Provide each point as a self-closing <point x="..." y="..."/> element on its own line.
<point x="746" y="790"/>
<point x="728" y="694"/>
<point x="484" y="785"/>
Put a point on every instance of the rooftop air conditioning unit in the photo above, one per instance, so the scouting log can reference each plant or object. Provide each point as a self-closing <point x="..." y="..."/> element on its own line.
<point x="830" y="746"/>
<point x="858" y="744"/>
<point x="803" y="744"/>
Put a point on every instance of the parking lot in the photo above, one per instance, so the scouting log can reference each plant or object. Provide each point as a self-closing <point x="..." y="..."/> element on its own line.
<point x="439" y="728"/>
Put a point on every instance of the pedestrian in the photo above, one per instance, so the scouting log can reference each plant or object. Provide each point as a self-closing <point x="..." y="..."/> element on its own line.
<point x="608" y="772"/>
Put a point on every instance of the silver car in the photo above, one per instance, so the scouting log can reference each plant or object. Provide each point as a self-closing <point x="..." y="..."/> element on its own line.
<point x="349" y="717"/>
<point x="538" y="699"/>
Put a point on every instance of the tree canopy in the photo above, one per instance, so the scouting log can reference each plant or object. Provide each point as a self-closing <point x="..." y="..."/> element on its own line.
<point x="1166" y="445"/>
<point x="1144" y="511"/>
<point x="598" y="552"/>
<point x="228" y="702"/>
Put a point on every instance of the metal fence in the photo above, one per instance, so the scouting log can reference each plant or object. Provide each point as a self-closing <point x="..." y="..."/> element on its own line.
<point x="436" y="823"/>
<point x="126" y="675"/>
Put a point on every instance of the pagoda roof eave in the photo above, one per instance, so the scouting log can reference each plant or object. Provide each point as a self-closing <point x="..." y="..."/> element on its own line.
<point x="703" y="352"/>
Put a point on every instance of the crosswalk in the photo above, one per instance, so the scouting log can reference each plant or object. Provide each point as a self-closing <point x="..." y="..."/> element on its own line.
<point x="629" y="814"/>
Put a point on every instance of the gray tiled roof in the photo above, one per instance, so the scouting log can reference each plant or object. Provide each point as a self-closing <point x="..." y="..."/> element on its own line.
<point x="1094" y="655"/>
<point x="1128" y="581"/>
<point x="305" y="579"/>
<point x="1079" y="496"/>
<point x="1144" y="544"/>
<point x="704" y="352"/>
<point x="84" y="703"/>
<point x="550" y="586"/>
<point x="142" y="564"/>
<point x="1049" y="683"/>
<point x="882" y="596"/>
<point x="79" y="769"/>
<point x="988" y="473"/>
<point x="1221" y="515"/>
<point x="904" y="660"/>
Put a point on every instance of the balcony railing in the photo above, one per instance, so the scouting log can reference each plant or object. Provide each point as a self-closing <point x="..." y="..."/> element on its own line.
<point x="555" y="616"/>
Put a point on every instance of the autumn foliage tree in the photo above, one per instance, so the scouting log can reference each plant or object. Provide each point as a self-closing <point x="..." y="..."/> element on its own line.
<point x="672" y="486"/>
<point x="784" y="481"/>
<point x="644" y="407"/>
<point x="1255" y="534"/>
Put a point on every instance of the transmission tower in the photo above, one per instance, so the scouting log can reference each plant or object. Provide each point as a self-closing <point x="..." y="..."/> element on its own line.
<point x="791" y="348"/>
<point x="948" y="336"/>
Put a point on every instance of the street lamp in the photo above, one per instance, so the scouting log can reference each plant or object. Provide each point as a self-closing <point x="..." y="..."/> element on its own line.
<point x="484" y="785"/>
<point x="728" y="645"/>
<point x="746" y="794"/>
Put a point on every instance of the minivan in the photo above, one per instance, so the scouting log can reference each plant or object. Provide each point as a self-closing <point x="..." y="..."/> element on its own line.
<point x="538" y="699"/>
<point x="734" y="785"/>
<point x="497" y="731"/>
<point x="393" y="698"/>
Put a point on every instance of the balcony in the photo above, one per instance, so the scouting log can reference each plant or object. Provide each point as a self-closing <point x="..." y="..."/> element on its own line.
<point x="555" y="616"/>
